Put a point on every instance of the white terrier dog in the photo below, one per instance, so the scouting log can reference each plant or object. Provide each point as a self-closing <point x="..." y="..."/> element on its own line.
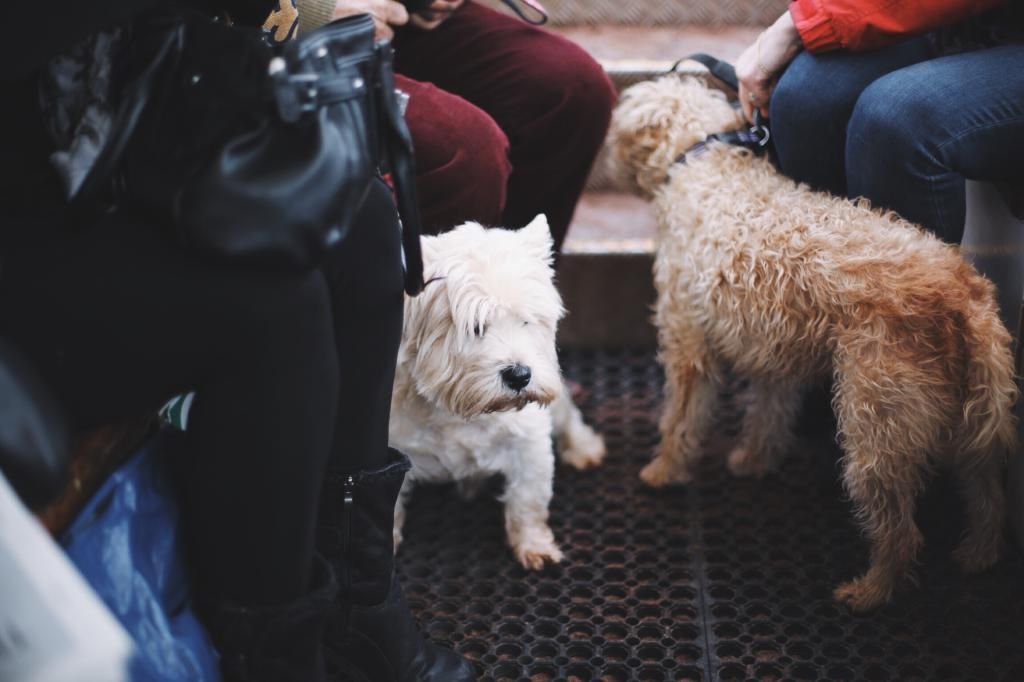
<point x="477" y="370"/>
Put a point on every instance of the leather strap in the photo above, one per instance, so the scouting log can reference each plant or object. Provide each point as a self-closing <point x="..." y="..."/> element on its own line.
<point x="398" y="152"/>
<point x="722" y="70"/>
<point x="542" y="14"/>
<point x="754" y="138"/>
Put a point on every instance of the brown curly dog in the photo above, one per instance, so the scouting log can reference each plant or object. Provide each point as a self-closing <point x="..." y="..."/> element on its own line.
<point x="786" y="286"/>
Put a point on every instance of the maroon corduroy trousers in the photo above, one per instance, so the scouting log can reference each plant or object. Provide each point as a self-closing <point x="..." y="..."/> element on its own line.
<point x="506" y="118"/>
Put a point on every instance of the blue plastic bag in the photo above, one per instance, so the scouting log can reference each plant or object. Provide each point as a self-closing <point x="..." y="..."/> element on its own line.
<point x="126" y="543"/>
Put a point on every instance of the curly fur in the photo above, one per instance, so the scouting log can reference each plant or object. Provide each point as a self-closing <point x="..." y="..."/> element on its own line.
<point x="491" y="303"/>
<point x="787" y="286"/>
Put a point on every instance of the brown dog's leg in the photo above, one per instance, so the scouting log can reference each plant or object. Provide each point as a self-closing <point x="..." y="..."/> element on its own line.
<point x="690" y="396"/>
<point x="885" y="505"/>
<point x="981" y="483"/>
<point x="767" y="429"/>
<point x="891" y="413"/>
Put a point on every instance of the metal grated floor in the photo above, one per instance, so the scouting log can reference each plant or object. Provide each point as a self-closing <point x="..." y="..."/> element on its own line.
<point x="726" y="579"/>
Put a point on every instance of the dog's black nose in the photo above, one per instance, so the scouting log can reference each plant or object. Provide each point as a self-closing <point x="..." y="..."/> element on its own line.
<point x="516" y="376"/>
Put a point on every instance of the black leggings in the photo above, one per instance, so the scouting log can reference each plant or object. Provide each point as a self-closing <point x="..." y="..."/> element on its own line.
<point x="289" y="369"/>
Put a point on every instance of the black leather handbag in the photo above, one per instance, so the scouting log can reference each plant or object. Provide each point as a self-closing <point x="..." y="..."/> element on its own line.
<point x="257" y="154"/>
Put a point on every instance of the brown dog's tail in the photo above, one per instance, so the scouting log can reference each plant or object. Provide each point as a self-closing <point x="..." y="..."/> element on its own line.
<point x="991" y="390"/>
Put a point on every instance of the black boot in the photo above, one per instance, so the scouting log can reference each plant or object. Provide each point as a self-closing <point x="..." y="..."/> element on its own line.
<point x="276" y="644"/>
<point x="376" y="633"/>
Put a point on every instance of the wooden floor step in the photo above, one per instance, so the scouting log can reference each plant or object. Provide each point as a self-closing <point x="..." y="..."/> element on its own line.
<point x="661" y="12"/>
<point x="605" y="273"/>
<point x="611" y="222"/>
<point x="609" y="43"/>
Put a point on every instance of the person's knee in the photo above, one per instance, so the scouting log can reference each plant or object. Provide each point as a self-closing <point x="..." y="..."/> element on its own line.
<point x="590" y="95"/>
<point x="306" y="297"/>
<point x="809" y="110"/>
<point x="887" y="123"/>
<point x="291" y="310"/>
<point x="895" y="154"/>
<point x="569" y="86"/>
<point x="789" y="97"/>
<point x="273" y="325"/>
<point x="365" y="271"/>
<point x="303" y="338"/>
<point x="888" y="135"/>
<point x="801" y="100"/>
<point x="463" y="165"/>
<point x="476" y="153"/>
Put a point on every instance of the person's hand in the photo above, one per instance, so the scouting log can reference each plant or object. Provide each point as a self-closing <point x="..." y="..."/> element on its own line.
<point x="436" y="14"/>
<point x="759" y="66"/>
<point x="385" y="13"/>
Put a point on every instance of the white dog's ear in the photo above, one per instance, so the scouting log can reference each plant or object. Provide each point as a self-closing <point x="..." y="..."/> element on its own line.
<point x="538" y="232"/>
<point x="427" y="245"/>
<point x="431" y="250"/>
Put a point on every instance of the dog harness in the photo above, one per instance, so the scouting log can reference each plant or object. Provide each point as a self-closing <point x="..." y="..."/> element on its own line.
<point x="754" y="138"/>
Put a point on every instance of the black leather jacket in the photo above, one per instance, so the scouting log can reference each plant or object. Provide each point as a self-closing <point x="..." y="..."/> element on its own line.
<point x="31" y="200"/>
<point x="48" y="27"/>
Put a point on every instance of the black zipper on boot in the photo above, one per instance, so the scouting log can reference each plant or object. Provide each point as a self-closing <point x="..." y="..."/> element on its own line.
<point x="348" y="501"/>
<point x="346" y="527"/>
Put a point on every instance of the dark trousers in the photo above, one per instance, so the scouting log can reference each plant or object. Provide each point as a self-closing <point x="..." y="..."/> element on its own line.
<point x="289" y="369"/>
<point x="902" y="126"/>
<point x="506" y="118"/>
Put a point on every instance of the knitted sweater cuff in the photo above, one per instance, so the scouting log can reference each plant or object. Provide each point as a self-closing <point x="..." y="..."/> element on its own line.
<point x="314" y="14"/>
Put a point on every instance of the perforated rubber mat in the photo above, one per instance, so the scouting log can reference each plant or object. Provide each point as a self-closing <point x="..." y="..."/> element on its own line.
<point x="725" y="579"/>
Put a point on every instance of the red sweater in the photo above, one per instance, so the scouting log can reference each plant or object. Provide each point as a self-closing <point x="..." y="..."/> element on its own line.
<point x="866" y="24"/>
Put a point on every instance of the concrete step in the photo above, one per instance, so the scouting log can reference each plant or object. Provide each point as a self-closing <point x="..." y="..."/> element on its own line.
<point x="611" y="222"/>
<point x="611" y="43"/>
<point x="605" y="273"/>
<point x="661" y="12"/>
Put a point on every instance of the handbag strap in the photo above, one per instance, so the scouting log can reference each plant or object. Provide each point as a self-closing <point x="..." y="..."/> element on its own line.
<point x="541" y="17"/>
<point x="398" y="153"/>
<point x="404" y="174"/>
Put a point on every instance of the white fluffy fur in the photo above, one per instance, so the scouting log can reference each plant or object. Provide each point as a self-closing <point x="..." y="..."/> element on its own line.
<point x="490" y="303"/>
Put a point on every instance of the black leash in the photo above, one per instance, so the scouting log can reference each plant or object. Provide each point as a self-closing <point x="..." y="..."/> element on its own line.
<point x="723" y="71"/>
<point x="754" y="138"/>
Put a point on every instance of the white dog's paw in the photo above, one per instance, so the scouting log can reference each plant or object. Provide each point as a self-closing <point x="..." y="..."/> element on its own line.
<point x="537" y="551"/>
<point x="584" y="450"/>
<point x="661" y="472"/>
<point x="743" y="462"/>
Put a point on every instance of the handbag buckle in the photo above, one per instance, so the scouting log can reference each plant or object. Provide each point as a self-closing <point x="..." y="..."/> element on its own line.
<point x="296" y="93"/>
<point x="306" y="85"/>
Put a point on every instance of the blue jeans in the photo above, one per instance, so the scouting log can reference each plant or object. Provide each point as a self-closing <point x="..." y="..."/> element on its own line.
<point x="903" y="127"/>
